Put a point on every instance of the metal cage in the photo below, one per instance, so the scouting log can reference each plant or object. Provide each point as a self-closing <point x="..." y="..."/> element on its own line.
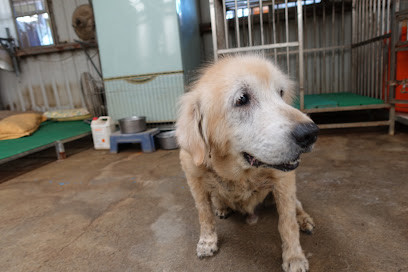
<point x="329" y="46"/>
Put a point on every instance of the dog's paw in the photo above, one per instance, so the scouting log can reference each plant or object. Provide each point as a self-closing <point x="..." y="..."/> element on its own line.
<point x="306" y="223"/>
<point x="296" y="264"/>
<point x="223" y="213"/>
<point x="206" y="247"/>
<point x="251" y="219"/>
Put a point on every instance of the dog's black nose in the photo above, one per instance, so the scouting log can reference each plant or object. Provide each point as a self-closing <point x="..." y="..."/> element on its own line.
<point x="305" y="134"/>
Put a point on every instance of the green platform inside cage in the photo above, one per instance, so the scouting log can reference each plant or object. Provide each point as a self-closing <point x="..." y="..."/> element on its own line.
<point x="331" y="100"/>
<point x="48" y="133"/>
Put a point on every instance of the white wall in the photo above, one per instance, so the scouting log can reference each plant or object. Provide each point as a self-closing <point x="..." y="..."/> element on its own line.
<point x="47" y="81"/>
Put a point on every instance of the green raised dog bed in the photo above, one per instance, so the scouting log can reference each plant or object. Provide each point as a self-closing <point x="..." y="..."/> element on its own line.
<point x="47" y="134"/>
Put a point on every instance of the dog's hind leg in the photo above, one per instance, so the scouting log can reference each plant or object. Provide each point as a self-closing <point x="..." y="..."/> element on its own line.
<point x="304" y="220"/>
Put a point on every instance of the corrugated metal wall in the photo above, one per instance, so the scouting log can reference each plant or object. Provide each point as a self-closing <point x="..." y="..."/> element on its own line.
<point x="47" y="81"/>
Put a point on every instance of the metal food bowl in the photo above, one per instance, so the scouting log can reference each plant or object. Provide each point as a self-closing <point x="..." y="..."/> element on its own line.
<point x="167" y="140"/>
<point x="132" y="124"/>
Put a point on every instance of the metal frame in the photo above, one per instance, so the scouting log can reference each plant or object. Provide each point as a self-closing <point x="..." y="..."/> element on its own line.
<point x="23" y="154"/>
<point x="365" y="50"/>
<point x="396" y="45"/>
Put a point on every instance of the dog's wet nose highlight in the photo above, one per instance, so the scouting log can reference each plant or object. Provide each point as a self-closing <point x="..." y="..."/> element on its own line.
<point x="305" y="134"/>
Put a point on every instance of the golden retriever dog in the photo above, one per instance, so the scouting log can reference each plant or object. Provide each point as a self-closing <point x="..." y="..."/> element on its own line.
<point x="240" y="140"/>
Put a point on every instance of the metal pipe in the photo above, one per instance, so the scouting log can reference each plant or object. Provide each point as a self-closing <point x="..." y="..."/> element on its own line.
<point x="360" y="60"/>
<point x="364" y="48"/>
<point x="269" y="32"/>
<point x="359" y="66"/>
<point x="387" y="45"/>
<point x="301" y="68"/>
<point x="238" y="38"/>
<point x="258" y="47"/>
<point x="373" y="51"/>
<point x="244" y="36"/>
<point x="305" y="55"/>
<point x="249" y="24"/>
<point x="274" y="28"/>
<point x="341" y="59"/>
<point x="261" y="21"/>
<point x="317" y="50"/>
<point x="324" y="87"/>
<point x="370" y="52"/>
<point x="213" y="29"/>
<point x="316" y="44"/>
<point x="278" y="28"/>
<point x="388" y="15"/>
<point x="333" y="78"/>
<point x="394" y="40"/>
<point x="378" y="54"/>
<point x="357" y="24"/>
<point x="383" y="87"/>
<point x="355" y="124"/>
<point x="287" y="34"/>
<point x="348" y="108"/>
<point x="353" y="51"/>
<point x="225" y="24"/>
<point x="391" y="129"/>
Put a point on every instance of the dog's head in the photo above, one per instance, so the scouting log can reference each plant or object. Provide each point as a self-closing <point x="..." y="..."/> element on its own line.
<point x="239" y="111"/>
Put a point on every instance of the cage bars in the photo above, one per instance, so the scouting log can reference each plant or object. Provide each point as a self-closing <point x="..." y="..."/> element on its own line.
<point x="344" y="42"/>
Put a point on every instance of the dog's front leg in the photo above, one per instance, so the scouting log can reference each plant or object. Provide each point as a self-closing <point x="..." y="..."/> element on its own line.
<point x="285" y="197"/>
<point x="207" y="244"/>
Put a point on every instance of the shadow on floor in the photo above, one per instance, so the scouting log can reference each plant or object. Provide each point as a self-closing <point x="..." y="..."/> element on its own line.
<point x="31" y="162"/>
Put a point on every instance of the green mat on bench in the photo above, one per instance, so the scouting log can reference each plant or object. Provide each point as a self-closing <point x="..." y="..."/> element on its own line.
<point x="47" y="133"/>
<point x="313" y="101"/>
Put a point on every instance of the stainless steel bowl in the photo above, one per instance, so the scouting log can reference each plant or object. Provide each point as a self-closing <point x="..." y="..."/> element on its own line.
<point x="167" y="140"/>
<point x="132" y="124"/>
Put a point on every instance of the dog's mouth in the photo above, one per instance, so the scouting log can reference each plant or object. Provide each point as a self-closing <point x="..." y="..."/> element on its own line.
<point x="286" y="166"/>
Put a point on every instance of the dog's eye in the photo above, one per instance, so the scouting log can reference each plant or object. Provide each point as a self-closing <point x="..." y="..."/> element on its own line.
<point x="242" y="100"/>
<point x="281" y="93"/>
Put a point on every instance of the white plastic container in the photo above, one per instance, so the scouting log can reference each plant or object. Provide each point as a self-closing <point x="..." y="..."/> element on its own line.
<point x="102" y="128"/>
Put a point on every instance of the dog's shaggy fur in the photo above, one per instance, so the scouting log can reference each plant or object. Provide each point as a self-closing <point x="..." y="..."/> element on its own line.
<point x="235" y="131"/>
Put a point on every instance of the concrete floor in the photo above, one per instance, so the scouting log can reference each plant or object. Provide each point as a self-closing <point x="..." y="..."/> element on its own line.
<point x="97" y="211"/>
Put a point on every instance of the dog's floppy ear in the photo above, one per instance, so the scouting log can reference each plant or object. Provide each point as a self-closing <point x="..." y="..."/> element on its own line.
<point x="189" y="130"/>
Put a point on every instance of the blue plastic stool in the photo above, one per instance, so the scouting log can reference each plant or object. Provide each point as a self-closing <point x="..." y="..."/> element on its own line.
<point x="145" y="138"/>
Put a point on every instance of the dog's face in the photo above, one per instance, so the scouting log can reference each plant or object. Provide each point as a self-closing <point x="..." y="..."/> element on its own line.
<point x="240" y="108"/>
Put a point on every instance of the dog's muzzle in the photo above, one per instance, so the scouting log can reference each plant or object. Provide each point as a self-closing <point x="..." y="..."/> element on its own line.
<point x="304" y="135"/>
